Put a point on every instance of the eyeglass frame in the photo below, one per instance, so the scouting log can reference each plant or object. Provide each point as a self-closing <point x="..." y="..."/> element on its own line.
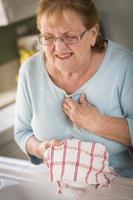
<point x="80" y="36"/>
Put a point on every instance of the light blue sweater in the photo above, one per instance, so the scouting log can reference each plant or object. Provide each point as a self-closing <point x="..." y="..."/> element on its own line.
<point x="39" y="103"/>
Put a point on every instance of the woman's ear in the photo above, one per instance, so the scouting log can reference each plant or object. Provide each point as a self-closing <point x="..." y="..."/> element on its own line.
<point x="94" y="33"/>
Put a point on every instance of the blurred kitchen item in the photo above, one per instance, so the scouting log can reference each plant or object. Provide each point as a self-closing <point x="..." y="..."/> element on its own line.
<point x="27" y="46"/>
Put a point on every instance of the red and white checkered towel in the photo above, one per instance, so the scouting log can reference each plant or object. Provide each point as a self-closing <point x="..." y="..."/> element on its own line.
<point x="79" y="164"/>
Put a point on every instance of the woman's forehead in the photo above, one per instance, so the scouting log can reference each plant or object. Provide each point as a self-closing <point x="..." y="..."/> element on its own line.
<point x="65" y="18"/>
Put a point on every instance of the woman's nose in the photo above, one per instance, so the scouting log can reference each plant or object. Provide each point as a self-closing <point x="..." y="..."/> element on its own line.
<point x="59" y="44"/>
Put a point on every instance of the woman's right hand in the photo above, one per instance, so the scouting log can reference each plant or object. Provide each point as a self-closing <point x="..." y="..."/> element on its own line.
<point x="43" y="146"/>
<point x="37" y="148"/>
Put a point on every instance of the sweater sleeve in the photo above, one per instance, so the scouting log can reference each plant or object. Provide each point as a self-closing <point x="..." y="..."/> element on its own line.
<point x="127" y="96"/>
<point x="23" y="115"/>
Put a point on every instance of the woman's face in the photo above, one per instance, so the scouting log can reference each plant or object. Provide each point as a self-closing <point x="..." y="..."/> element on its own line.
<point x="72" y="57"/>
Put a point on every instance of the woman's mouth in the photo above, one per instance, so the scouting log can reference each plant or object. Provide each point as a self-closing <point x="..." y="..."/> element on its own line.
<point x="64" y="56"/>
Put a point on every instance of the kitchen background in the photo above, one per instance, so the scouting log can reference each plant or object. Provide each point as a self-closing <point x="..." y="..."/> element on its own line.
<point x="18" y="41"/>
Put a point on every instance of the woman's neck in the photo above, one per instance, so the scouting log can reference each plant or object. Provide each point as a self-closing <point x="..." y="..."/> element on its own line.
<point x="72" y="81"/>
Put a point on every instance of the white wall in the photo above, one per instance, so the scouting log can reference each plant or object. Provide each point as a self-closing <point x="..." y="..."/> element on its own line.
<point x="117" y="17"/>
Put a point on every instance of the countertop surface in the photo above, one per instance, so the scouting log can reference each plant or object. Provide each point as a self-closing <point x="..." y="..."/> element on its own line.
<point x="23" y="171"/>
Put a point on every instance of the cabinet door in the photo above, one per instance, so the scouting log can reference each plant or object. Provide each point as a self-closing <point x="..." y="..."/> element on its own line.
<point x="19" y="9"/>
<point x="3" y="17"/>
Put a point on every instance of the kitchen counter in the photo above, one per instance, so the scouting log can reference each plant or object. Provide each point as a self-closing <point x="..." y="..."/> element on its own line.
<point x="19" y="177"/>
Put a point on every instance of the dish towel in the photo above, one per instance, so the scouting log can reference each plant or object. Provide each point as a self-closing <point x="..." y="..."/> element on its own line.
<point x="79" y="164"/>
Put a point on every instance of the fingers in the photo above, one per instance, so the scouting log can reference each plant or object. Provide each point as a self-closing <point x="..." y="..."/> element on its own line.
<point x="82" y="99"/>
<point x="50" y="143"/>
<point x="43" y="146"/>
<point x="66" y="107"/>
<point x="56" y="142"/>
<point x="69" y="105"/>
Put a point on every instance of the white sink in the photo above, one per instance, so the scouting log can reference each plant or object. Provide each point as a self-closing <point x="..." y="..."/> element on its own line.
<point x="21" y="180"/>
<point x="24" y="191"/>
<point x="33" y="191"/>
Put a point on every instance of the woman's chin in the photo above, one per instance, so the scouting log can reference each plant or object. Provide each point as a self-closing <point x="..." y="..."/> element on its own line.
<point x="65" y="66"/>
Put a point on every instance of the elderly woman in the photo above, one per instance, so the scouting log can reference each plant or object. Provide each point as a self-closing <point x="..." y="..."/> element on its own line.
<point x="80" y="86"/>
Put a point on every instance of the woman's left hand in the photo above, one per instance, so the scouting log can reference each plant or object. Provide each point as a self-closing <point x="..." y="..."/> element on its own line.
<point x="82" y="113"/>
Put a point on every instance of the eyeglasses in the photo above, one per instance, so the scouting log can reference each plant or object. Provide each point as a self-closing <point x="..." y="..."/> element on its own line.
<point x="67" y="38"/>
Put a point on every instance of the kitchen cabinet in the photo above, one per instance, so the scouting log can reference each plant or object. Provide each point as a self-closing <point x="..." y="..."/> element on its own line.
<point x="15" y="10"/>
